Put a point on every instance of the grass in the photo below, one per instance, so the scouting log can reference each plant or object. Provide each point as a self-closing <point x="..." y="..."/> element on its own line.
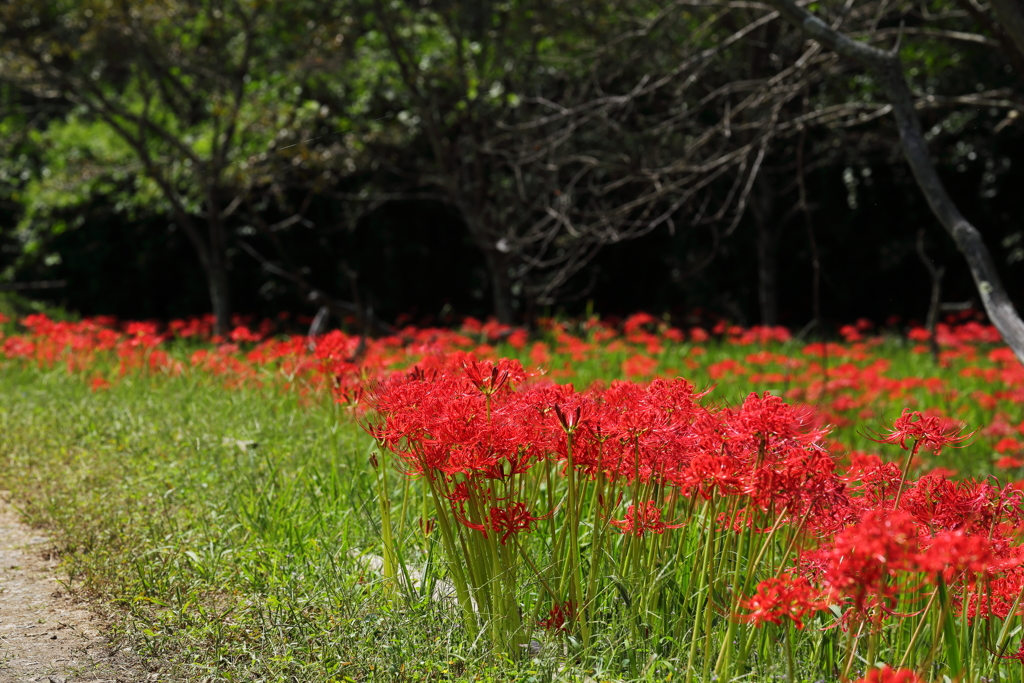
<point x="227" y="529"/>
<point x="221" y="524"/>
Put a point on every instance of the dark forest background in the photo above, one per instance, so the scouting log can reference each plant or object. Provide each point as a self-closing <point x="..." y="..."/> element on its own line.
<point x="441" y="159"/>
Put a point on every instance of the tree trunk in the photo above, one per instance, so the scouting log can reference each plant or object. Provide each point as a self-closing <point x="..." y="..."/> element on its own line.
<point x="762" y="209"/>
<point x="220" y="295"/>
<point x="217" y="268"/>
<point x="497" y="263"/>
<point x="213" y="258"/>
<point x="889" y="70"/>
<point x="501" y="285"/>
<point x="768" y="273"/>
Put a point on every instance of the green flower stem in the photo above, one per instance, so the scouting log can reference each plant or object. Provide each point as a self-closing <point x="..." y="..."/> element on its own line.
<point x="709" y="611"/>
<point x="919" y="629"/>
<point x="703" y="589"/>
<point x="722" y="665"/>
<point x="852" y="641"/>
<point x="390" y="570"/>
<point x="790" y="661"/>
<point x="1004" y="632"/>
<point x="574" y="545"/>
<point x="458" y="578"/>
<point x="598" y="534"/>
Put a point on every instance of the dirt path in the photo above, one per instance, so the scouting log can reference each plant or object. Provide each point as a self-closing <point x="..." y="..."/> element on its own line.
<point x="45" y="636"/>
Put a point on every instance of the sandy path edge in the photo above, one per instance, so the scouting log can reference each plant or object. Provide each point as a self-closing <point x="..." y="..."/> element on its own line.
<point x="45" y="635"/>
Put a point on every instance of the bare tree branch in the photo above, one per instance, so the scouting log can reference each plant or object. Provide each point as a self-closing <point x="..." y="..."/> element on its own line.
<point x="1011" y="16"/>
<point x="886" y="66"/>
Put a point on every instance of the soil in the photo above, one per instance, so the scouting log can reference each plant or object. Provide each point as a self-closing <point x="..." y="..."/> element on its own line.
<point x="46" y="635"/>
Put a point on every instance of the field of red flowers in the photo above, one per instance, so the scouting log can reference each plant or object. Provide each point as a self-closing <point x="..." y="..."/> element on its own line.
<point x="733" y="502"/>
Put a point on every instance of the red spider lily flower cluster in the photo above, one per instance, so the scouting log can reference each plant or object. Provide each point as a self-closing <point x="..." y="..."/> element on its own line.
<point x="886" y="674"/>
<point x="786" y="597"/>
<point x="643" y="519"/>
<point x="511" y="520"/>
<point x="471" y="422"/>
<point x="559" y="617"/>
<point x="848" y="389"/>
<point x="925" y="431"/>
<point x="865" y="555"/>
<point x="953" y="530"/>
<point x="474" y="429"/>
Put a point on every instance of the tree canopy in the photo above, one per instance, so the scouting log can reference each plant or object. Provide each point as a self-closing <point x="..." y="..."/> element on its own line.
<point x="501" y="157"/>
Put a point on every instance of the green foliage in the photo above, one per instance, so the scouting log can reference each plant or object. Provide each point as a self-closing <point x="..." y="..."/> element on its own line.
<point x="144" y="109"/>
<point x="80" y="160"/>
<point x="176" y="106"/>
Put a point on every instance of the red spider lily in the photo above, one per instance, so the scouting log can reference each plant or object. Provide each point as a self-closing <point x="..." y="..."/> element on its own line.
<point x="640" y="521"/>
<point x="636" y="321"/>
<point x="968" y="505"/>
<point x="462" y="493"/>
<point x="799" y="479"/>
<point x="887" y="674"/>
<point x="708" y="473"/>
<point x="926" y="431"/>
<point x="1007" y="445"/>
<point x="459" y="493"/>
<point x="1018" y="655"/>
<point x="569" y="419"/>
<point x="876" y="477"/>
<point x="98" y="383"/>
<point x="243" y="334"/>
<point x="490" y="377"/>
<point x="512" y="519"/>
<point x="767" y="421"/>
<point x="659" y="428"/>
<point x="866" y="555"/>
<point x="459" y="513"/>
<point x="559" y="617"/>
<point x="639" y="366"/>
<point x="785" y="597"/>
<point x="953" y="552"/>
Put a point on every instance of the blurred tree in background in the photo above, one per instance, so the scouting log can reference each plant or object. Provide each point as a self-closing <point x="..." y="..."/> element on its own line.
<point x="505" y="158"/>
<point x="170" y="109"/>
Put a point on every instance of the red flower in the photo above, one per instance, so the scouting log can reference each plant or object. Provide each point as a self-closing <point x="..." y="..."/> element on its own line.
<point x="887" y="674"/>
<point x="458" y="499"/>
<point x="927" y="431"/>
<point x="877" y="479"/>
<point x="512" y="519"/>
<point x="768" y="416"/>
<point x="559" y="616"/>
<point x="243" y="334"/>
<point x="954" y="551"/>
<point x="639" y="366"/>
<point x="98" y="382"/>
<point x="919" y="334"/>
<point x="968" y="505"/>
<point x="647" y="518"/>
<point x="490" y="377"/>
<point x="786" y="597"/>
<point x="865" y="555"/>
<point x="1007" y="444"/>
